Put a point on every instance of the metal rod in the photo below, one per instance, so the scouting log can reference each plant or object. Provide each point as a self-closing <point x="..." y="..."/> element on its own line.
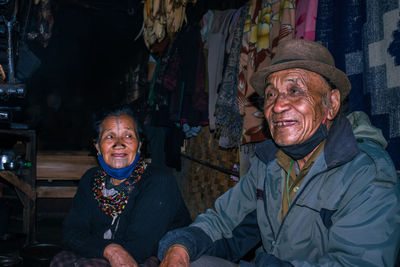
<point x="11" y="75"/>
<point x="27" y="16"/>
<point x="207" y="164"/>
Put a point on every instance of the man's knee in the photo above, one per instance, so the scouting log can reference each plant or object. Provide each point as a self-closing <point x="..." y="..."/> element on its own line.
<point x="210" y="261"/>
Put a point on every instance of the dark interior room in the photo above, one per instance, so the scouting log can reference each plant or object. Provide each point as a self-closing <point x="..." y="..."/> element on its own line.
<point x="185" y="69"/>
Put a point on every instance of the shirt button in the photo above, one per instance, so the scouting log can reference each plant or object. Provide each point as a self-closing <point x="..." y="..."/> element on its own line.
<point x="273" y="243"/>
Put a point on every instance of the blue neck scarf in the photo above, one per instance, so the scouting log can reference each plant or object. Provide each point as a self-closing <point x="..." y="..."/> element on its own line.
<point x="299" y="151"/>
<point x="119" y="174"/>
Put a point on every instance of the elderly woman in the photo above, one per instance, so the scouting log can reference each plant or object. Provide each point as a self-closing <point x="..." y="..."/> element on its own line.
<point x="122" y="208"/>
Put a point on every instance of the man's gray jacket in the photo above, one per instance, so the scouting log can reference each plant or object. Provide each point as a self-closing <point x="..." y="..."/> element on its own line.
<point x="345" y="213"/>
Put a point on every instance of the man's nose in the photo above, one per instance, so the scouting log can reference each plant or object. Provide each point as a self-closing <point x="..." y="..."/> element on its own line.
<point x="281" y="103"/>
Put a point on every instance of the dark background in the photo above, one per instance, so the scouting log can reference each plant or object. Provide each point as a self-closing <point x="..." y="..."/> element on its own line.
<point x="83" y="69"/>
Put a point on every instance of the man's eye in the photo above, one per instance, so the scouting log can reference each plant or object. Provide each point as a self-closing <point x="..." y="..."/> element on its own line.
<point x="109" y="137"/>
<point x="294" y="90"/>
<point x="269" y="94"/>
<point x="128" y="136"/>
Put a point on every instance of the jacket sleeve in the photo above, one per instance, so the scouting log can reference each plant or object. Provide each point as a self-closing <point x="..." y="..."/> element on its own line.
<point x="230" y="230"/>
<point x="158" y="208"/>
<point x="365" y="230"/>
<point x="77" y="232"/>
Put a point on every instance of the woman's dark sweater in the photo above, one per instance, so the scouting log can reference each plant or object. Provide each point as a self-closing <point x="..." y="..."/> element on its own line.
<point x="154" y="207"/>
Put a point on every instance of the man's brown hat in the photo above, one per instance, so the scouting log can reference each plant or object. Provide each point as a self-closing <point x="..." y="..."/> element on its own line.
<point x="303" y="54"/>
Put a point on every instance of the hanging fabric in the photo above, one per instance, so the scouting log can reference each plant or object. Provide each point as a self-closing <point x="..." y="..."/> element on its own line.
<point x="217" y="37"/>
<point x="44" y="23"/>
<point x="364" y="37"/>
<point x="227" y="118"/>
<point x="268" y="23"/>
<point x="163" y="17"/>
<point x="306" y="19"/>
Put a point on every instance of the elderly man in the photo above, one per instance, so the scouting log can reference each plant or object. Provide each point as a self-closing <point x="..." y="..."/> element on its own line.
<point x="319" y="193"/>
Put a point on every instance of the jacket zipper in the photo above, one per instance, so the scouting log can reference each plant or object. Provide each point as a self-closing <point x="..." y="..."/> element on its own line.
<point x="290" y="208"/>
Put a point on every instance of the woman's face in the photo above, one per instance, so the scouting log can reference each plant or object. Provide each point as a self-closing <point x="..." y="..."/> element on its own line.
<point x="118" y="142"/>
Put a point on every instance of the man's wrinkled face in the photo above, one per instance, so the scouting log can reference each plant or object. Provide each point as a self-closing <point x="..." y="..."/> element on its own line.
<point x="293" y="105"/>
<point x="118" y="142"/>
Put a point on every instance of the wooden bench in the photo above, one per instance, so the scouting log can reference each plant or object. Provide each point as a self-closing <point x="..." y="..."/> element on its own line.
<point x="61" y="166"/>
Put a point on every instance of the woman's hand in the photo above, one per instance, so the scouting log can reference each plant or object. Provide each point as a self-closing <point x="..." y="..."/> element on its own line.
<point x="176" y="256"/>
<point x="118" y="256"/>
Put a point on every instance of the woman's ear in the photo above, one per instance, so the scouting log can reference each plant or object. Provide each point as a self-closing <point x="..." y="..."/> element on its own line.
<point x="96" y="145"/>
<point x="334" y="97"/>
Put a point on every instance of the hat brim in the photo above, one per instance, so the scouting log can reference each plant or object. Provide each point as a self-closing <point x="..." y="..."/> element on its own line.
<point x="335" y="76"/>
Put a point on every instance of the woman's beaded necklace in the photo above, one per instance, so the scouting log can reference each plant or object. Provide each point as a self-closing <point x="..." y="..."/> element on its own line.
<point x="114" y="204"/>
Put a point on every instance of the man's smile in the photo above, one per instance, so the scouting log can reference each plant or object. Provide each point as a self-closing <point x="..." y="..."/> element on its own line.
<point x="283" y="123"/>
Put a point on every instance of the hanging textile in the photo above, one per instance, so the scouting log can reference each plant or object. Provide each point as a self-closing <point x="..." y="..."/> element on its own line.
<point x="364" y="38"/>
<point x="206" y="22"/>
<point x="43" y="26"/>
<point x="228" y="121"/>
<point x="306" y="19"/>
<point x="217" y="37"/>
<point x="188" y="101"/>
<point x="179" y="87"/>
<point x="268" y="22"/>
<point x="163" y="17"/>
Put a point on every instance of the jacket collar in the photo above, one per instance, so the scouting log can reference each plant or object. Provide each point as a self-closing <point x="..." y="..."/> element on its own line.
<point x="340" y="147"/>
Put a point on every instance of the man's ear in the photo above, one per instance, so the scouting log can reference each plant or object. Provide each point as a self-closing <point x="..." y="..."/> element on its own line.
<point x="334" y="97"/>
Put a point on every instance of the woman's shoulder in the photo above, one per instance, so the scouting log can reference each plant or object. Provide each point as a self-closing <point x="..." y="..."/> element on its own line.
<point x="160" y="176"/>
<point x="155" y="170"/>
<point x="89" y="175"/>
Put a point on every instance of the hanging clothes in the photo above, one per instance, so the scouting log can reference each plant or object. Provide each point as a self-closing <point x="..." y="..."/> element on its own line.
<point x="162" y="18"/>
<point x="217" y="37"/>
<point x="228" y="120"/>
<point x="44" y="23"/>
<point x="179" y="87"/>
<point x="206" y="22"/>
<point x="189" y="102"/>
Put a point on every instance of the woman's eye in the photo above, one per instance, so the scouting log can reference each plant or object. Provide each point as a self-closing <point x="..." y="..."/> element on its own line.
<point x="109" y="137"/>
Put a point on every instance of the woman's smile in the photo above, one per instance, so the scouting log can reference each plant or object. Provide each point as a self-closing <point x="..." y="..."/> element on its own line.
<point x="118" y="142"/>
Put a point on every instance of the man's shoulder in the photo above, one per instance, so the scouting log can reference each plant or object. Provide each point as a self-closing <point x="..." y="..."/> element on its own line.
<point x="374" y="157"/>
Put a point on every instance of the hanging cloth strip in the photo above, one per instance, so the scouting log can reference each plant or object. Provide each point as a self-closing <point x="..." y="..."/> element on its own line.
<point x="228" y="121"/>
<point x="306" y="19"/>
<point x="216" y="53"/>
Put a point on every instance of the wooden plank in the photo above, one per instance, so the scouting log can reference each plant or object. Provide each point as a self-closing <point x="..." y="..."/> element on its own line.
<point x="18" y="183"/>
<point x="56" y="191"/>
<point x="64" y="165"/>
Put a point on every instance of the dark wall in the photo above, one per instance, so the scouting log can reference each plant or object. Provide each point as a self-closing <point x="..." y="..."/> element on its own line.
<point x="82" y="70"/>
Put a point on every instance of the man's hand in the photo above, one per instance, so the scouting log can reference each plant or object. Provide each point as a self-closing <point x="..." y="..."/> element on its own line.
<point x="176" y="256"/>
<point x="118" y="256"/>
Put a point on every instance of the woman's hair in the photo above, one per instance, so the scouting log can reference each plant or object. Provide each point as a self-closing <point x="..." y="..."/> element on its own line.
<point x="115" y="113"/>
